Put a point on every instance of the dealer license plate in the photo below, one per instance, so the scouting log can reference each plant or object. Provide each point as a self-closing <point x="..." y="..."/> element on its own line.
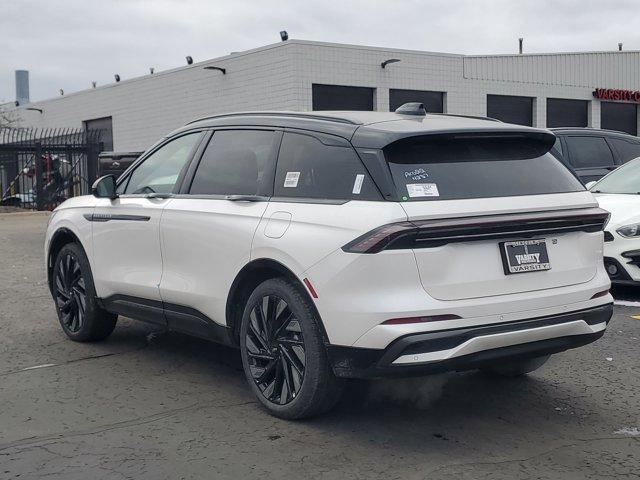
<point x="524" y="256"/>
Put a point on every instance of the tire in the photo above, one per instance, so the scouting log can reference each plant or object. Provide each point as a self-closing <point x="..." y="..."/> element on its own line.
<point x="516" y="368"/>
<point x="74" y="296"/>
<point x="284" y="357"/>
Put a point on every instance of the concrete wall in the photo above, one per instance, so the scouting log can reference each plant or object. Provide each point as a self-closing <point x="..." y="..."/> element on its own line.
<point x="145" y="108"/>
<point x="280" y="77"/>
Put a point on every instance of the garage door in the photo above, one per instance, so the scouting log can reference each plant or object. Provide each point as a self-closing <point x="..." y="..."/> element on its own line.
<point x="339" y="97"/>
<point x="562" y="112"/>
<point x="511" y="109"/>
<point x="433" y="101"/>
<point x="622" y="117"/>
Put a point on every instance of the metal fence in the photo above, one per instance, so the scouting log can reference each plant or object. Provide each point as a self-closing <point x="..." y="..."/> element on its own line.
<point x="40" y="168"/>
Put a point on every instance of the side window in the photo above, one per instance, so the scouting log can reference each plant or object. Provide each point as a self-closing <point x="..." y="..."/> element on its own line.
<point x="627" y="150"/>
<point x="589" y="152"/>
<point x="236" y="162"/>
<point x="307" y="168"/>
<point x="158" y="173"/>
<point x="558" y="146"/>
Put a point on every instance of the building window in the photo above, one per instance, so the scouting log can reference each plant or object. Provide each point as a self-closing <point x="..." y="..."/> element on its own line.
<point x="105" y="126"/>
<point x="433" y="101"/>
<point x="339" y="97"/>
<point x="563" y="112"/>
<point x="622" y="117"/>
<point x="511" y="109"/>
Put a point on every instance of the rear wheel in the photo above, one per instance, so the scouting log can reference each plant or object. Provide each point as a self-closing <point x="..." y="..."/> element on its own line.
<point x="283" y="353"/>
<point x="75" y="298"/>
<point x="516" y="368"/>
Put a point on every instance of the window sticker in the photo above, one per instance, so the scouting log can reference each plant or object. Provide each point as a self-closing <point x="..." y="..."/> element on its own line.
<point x="417" y="174"/>
<point x="291" y="180"/>
<point x="357" y="185"/>
<point x="422" y="190"/>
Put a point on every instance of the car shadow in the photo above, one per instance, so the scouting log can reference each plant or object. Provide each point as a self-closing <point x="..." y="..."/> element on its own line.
<point x="436" y="408"/>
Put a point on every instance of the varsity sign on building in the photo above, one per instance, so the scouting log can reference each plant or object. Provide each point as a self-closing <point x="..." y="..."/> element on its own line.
<point x="617" y="94"/>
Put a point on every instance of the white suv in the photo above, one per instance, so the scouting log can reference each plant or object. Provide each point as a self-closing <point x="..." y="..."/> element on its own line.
<point x="340" y="245"/>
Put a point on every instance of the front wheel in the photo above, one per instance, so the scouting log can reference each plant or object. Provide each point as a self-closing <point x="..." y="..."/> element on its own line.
<point x="516" y="368"/>
<point x="75" y="297"/>
<point x="283" y="353"/>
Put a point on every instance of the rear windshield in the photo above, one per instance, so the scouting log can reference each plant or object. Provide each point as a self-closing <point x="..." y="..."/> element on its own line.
<point x="446" y="168"/>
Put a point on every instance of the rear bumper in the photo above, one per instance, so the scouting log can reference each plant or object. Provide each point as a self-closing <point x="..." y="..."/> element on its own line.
<point x="473" y="347"/>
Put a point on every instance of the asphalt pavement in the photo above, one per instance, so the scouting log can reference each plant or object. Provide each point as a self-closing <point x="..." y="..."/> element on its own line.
<point x="148" y="404"/>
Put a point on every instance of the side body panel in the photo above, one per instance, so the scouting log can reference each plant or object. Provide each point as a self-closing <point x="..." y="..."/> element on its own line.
<point x="126" y="241"/>
<point x="312" y="231"/>
<point x="205" y="243"/>
<point x="70" y="215"/>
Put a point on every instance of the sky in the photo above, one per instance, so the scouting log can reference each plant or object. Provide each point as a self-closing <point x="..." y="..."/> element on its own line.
<point x="67" y="44"/>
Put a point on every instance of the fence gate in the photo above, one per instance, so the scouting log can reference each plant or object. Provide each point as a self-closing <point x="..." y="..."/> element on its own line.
<point x="41" y="168"/>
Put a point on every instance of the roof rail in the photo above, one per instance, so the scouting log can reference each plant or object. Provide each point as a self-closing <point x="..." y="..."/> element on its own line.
<point x="476" y="117"/>
<point x="312" y="116"/>
<point x="591" y="129"/>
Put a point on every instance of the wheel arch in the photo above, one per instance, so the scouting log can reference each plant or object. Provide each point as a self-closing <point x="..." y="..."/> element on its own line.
<point x="248" y="278"/>
<point x="63" y="236"/>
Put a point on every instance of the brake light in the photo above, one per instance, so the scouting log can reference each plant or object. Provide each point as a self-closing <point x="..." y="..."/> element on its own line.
<point x="379" y="238"/>
<point x="431" y="318"/>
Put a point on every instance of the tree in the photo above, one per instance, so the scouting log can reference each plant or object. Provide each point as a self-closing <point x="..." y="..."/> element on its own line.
<point x="9" y="116"/>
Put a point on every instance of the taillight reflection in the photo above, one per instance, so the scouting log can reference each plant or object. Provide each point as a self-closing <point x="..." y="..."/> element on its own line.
<point x="431" y="318"/>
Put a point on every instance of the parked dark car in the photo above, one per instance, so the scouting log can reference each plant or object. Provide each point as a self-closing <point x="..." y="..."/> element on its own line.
<point x="592" y="153"/>
<point x="115" y="163"/>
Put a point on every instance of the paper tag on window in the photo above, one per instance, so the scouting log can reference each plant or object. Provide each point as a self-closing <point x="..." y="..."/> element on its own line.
<point x="357" y="185"/>
<point x="291" y="180"/>
<point x="422" y="190"/>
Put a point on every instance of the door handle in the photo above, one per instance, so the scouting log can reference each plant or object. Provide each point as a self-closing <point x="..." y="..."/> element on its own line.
<point x="244" y="198"/>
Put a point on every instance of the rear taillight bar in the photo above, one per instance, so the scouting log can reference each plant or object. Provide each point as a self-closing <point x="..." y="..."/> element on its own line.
<point x="434" y="233"/>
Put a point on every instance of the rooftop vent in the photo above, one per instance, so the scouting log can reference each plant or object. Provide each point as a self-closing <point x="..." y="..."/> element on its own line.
<point x="413" y="108"/>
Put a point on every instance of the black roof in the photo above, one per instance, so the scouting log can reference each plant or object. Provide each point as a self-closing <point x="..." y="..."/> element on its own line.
<point x="367" y="129"/>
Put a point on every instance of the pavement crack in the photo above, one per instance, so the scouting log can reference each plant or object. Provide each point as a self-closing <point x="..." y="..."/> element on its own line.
<point x="148" y="339"/>
<point x="575" y="443"/>
<point x="34" y="441"/>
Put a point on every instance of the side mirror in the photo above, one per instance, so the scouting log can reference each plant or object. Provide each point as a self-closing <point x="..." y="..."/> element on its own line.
<point x="105" y="187"/>
<point x="590" y="184"/>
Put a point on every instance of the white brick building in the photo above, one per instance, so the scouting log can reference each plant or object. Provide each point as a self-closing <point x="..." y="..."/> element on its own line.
<point x="299" y="75"/>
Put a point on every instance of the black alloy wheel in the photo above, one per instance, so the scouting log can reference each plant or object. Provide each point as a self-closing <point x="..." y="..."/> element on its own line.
<point x="275" y="350"/>
<point x="70" y="292"/>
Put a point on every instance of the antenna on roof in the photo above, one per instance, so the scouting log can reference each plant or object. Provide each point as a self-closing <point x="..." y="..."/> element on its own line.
<point x="414" y="108"/>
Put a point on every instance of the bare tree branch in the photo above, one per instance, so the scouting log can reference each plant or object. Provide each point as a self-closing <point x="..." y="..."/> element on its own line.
<point x="9" y="117"/>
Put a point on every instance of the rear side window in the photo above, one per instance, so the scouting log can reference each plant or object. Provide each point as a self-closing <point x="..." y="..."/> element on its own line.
<point x="446" y="168"/>
<point x="307" y="168"/>
<point x="558" y="146"/>
<point x="626" y="150"/>
<point x="235" y="162"/>
<point x="589" y="152"/>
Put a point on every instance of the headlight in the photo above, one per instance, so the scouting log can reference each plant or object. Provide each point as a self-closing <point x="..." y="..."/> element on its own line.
<point x="629" y="231"/>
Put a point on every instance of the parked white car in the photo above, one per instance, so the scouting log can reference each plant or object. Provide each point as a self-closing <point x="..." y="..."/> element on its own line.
<point x="619" y="193"/>
<point x="338" y="245"/>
